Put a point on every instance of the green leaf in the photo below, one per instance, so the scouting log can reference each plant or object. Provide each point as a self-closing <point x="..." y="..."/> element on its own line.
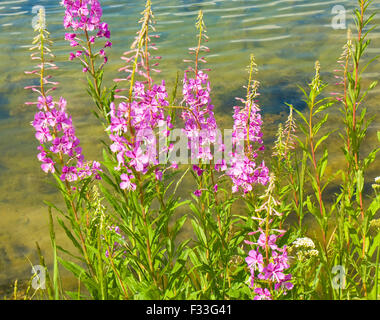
<point x="322" y="139"/>
<point x="375" y="244"/>
<point x="178" y="225"/>
<point x="320" y="124"/>
<point x="370" y="158"/>
<point x="70" y="235"/>
<point x="323" y="106"/>
<point x="200" y="233"/>
<point x="50" y="204"/>
<point x="55" y="261"/>
<point x="73" y="267"/>
<point x="310" y="205"/>
<point x="360" y="180"/>
<point x="110" y="198"/>
<point x="323" y="163"/>
<point x="180" y="180"/>
<point x="374" y="206"/>
<point x="80" y="274"/>
<point x="302" y="116"/>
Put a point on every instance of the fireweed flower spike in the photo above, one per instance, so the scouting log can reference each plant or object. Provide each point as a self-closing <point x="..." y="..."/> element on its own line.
<point x="345" y="64"/>
<point x="83" y="18"/>
<point x="285" y="137"/>
<point x="243" y="169"/>
<point x="134" y="123"/>
<point x="268" y="262"/>
<point x="200" y="124"/>
<point x="341" y="74"/>
<point x="132" y="131"/>
<point x="59" y="149"/>
<point x="138" y="58"/>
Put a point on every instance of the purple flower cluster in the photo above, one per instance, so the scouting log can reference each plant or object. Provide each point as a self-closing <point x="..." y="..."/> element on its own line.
<point x="245" y="173"/>
<point x="269" y="269"/>
<point x="85" y="15"/>
<point x="54" y="126"/>
<point x="243" y="170"/>
<point x="200" y="124"/>
<point x="139" y="119"/>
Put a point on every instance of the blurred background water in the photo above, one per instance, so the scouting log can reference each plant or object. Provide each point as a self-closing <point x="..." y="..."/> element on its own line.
<point x="285" y="36"/>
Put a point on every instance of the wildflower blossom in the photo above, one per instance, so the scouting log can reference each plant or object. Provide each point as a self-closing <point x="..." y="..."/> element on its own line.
<point x="126" y="182"/>
<point x="198" y="115"/>
<point x="243" y="169"/>
<point x="375" y="225"/>
<point x="285" y="137"/>
<point x="198" y="193"/>
<point x="376" y="185"/>
<point x="304" y="248"/>
<point x="138" y="58"/>
<point x="304" y="243"/>
<point x="200" y="124"/>
<point x="132" y="131"/>
<point x="85" y="16"/>
<point x="262" y="294"/>
<point x="255" y="260"/>
<point x="344" y="62"/>
<point x="54" y="128"/>
<point x="268" y="262"/>
<point x="135" y="122"/>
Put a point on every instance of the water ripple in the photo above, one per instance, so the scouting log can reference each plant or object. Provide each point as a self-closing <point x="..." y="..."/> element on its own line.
<point x="13" y="13"/>
<point x="261" y="40"/>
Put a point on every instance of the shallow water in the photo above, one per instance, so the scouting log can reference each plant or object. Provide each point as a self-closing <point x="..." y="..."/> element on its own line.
<point x="285" y="36"/>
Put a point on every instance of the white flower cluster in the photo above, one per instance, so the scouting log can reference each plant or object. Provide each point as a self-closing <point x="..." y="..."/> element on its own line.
<point x="304" y="243"/>
<point x="305" y="248"/>
<point x="375" y="224"/>
<point x="376" y="185"/>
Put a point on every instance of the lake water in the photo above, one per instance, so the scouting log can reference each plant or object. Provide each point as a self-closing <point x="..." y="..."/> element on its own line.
<point x="285" y="36"/>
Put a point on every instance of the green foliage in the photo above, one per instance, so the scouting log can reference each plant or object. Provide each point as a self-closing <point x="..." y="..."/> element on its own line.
<point x="129" y="245"/>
